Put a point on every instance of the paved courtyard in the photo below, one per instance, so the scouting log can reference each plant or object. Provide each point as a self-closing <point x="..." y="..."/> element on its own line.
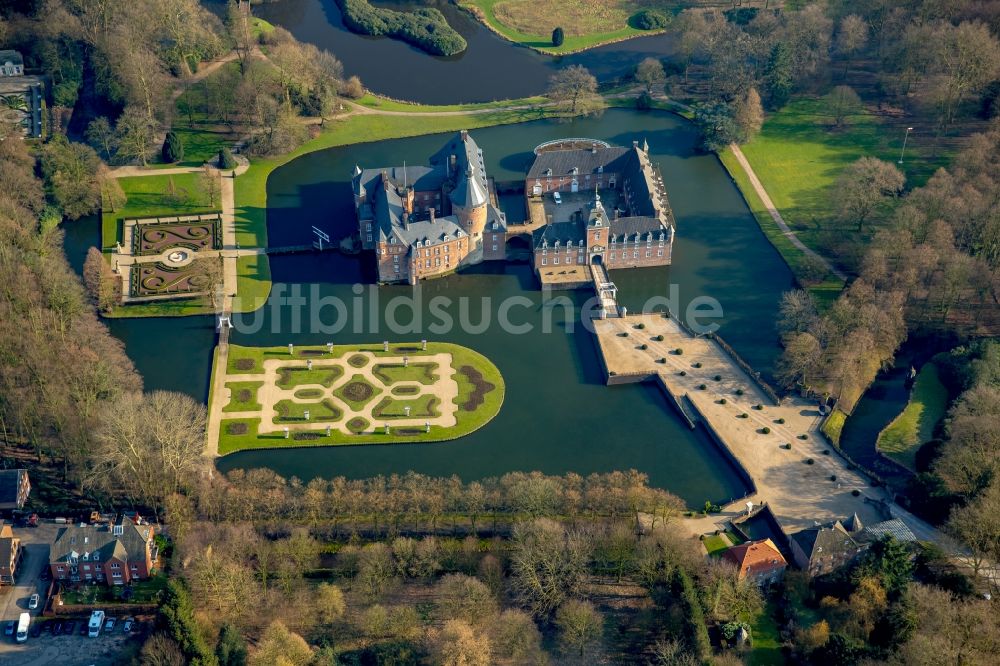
<point x="798" y="492"/>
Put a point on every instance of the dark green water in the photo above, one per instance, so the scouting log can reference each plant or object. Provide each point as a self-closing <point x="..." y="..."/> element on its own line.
<point x="558" y="416"/>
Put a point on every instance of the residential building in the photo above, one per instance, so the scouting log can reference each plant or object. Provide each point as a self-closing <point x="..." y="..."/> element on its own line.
<point x="759" y="560"/>
<point x="22" y="97"/>
<point x="115" y="553"/>
<point x="423" y="221"/>
<point x="10" y="555"/>
<point x="15" y="486"/>
<point x="825" y="548"/>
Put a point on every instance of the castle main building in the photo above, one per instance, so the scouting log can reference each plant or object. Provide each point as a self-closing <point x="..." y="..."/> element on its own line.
<point x="588" y="203"/>
<point x="429" y="220"/>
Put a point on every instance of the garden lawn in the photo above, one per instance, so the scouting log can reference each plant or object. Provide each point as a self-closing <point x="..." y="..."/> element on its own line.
<point x="147" y="198"/>
<point x="425" y="373"/>
<point x="393" y="408"/>
<point x="834" y="425"/>
<point x="766" y="639"/>
<point x="716" y="544"/>
<point x="915" y="425"/>
<point x="798" y="157"/>
<point x="372" y="101"/>
<point x="586" y="23"/>
<point x="244" y="397"/>
<point x="249" y="360"/>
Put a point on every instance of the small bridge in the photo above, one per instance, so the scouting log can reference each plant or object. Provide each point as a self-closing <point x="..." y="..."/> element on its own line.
<point x="606" y="291"/>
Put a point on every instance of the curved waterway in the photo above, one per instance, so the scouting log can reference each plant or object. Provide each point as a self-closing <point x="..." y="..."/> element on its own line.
<point x="490" y="68"/>
<point x="558" y="416"/>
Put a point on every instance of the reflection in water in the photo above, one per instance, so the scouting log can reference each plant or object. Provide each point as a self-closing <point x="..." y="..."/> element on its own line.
<point x="557" y="416"/>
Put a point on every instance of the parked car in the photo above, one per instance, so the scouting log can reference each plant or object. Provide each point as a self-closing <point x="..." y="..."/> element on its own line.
<point x="33" y="602"/>
<point x="109" y="624"/>
<point x="36" y="629"/>
<point x="8" y="629"/>
<point x="57" y="628"/>
<point x="557" y="198"/>
<point x="69" y="628"/>
<point x="129" y="623"/>
<point x="33" y="520"/>
<point x="84" y="629"/>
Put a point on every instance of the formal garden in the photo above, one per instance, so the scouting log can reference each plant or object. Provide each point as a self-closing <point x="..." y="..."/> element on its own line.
<point x="351" y="394"/>
<point x="203" y="232"/>
<point x="156" y="280"/>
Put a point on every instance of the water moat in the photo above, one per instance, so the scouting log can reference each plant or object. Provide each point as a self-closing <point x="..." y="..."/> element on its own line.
<point x="558" y="415"/>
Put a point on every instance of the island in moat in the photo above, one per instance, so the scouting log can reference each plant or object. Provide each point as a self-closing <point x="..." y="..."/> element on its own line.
<point x="264" y="397"/>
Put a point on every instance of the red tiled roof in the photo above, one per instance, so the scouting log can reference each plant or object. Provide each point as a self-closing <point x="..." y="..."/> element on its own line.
<point x="755" y="558"/>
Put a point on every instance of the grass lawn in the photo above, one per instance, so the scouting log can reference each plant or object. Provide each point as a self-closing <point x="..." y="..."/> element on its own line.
<point x="915" y="424"/>
<point x="357" y="392"/>
<point x="715" y="544"/>
<point x="798" y="157"/>
<point x="372" y="101"/>
<point x="143" y="591"/>
<point x="392" y="408"/>
<point x="586" y="23"/>
<point x="834" y="425"/>
<point x="425" y="373"/>
<point x="324" y="376"/>
<point x="766" y="639"/>
<point x="238" y="434"/>
<point x="291" y="411"/>
<point x="147" y="198"/>
<point x="244" y="397"/>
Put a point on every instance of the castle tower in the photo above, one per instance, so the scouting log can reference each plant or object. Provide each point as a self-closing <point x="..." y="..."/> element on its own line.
<point x="468" y="202"/>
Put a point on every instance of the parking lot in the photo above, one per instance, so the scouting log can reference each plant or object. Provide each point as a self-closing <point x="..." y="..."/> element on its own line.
<point x="45" y="648"/>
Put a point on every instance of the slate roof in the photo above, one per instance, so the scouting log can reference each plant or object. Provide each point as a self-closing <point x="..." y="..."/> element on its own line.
<point x="826" y="541"/>
<point x="469" y="193"/>
<point x="563" y="232"/>
<point x="7" y="540"/>
<point x="10" y="482"/>
<point x="756" y="558"/>
<point x="129" y="546"/>
<point x="427" y="231"/>
<point x="562" y="162"/>
<point x="894" y="527"/>
<point x="420" y="178"/>
<point x="630" y="226"/>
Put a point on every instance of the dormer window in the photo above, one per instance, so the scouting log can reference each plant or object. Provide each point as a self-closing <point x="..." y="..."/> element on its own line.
<point x="576" y="170"/>
<point x="118" y="530"/>
<point x="548" y="172"/>
<point x="600" y="169"/>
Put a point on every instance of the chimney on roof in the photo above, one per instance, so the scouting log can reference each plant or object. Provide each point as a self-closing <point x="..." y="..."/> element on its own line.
<point x="432" y="213"/>
<point x="465" y="135"/>
<point x="635" y="144"/>
<point x="593" y="148"/>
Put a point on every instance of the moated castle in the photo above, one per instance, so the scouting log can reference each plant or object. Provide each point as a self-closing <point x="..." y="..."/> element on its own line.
<point x="587" y="203"/>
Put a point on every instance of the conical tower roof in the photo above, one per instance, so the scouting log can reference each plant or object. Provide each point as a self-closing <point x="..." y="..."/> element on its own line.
<point x="469" y="193"/>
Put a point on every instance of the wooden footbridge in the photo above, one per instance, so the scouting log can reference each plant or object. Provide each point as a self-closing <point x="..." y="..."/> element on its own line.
<point x="606" y="291"/>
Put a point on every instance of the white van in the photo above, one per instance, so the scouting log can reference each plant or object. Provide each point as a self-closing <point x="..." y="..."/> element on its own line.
<point x="95" y="624"/>
<point x="22" y="628"/>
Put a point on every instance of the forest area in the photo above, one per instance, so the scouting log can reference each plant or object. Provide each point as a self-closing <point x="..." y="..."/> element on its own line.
<point x="525" y="568"/>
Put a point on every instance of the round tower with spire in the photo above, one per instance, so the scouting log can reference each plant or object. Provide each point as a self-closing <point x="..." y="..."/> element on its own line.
<point x="468" y="202"/>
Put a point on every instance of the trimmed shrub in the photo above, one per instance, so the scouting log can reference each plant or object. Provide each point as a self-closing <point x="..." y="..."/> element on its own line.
<point x="826" y="452"/>
<point x="803" y="436"/>
<point x="424" y="28"/>
<point x="678" y="351"/>
<point x="682" y="373"/>
<point x="558" y="37"/>
<point x="173" y="149"/>
<point x="697" y="364"/>
<point x="856" y="492"/>
<point x="717" y="378"/>
<point x="640" y="326"/>
<point x="721" y="401"/>
<point x="787" y="446"/>
<point x="810" y="461"/>
<point x="226" y="159"/>
<point x="744" y="415"/>
<point x="702" y="387"/>
<point x="659" y="338"/>
<point x="758" y="407"/>
<point x="765" y="431"/>
<point x="833" y="477"/>
<point x="779" y="420"/>
<point x="739" y="391"/>
<point x="661" y="360"/>
<point x="644" y="347"/>
<point x="650" y="19"/>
